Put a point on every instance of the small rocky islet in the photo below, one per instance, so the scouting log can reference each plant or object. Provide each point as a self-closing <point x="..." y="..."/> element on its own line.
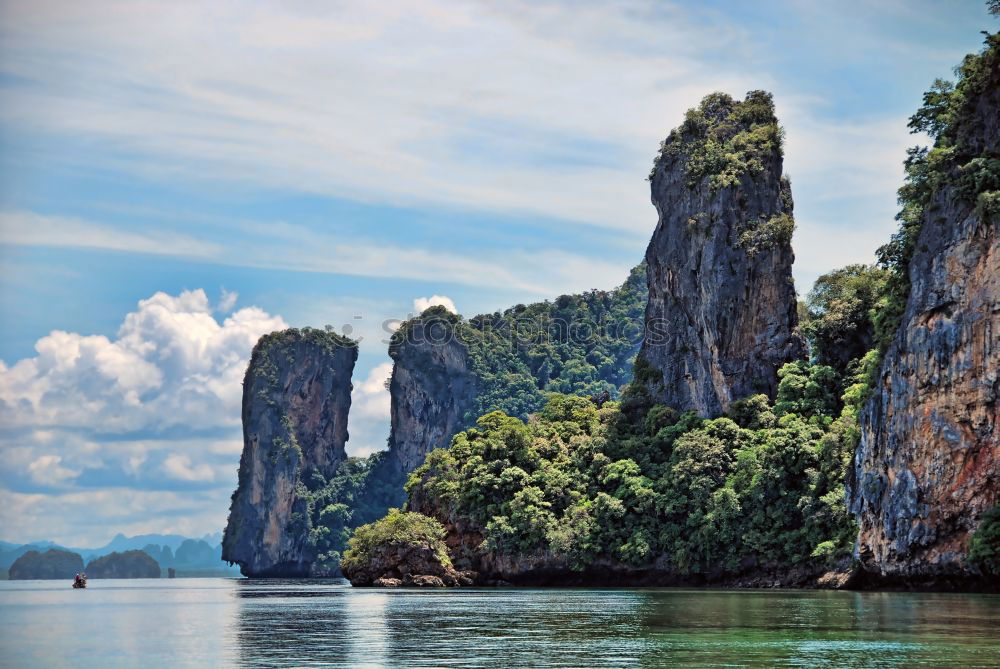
<point x="713" y="430"/>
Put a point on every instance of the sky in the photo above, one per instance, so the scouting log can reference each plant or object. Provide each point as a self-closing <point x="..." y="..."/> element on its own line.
<point x="177" y="179"/>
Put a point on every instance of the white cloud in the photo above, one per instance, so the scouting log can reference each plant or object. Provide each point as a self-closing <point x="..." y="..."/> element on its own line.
<point x="178" y="466"/>
<point x="294" y="247"/>
<point x="171" y="365"/>
<point x="370" y="405"/>
<point x="47" y="470"/>
<point x="421" y="304"/>
<point x="32" y="229"/>
<point x="92" y="419"/>
<point x="227" y="301"/>
<point x="371" y="397"/>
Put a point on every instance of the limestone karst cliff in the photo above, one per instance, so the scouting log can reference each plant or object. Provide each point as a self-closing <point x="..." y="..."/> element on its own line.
<point x="928" y="464"/>
<point x="432" y="388"/>
<point x="296" y="398"/>
<point x="721" y="315"/>
<point x="448" y="371"/>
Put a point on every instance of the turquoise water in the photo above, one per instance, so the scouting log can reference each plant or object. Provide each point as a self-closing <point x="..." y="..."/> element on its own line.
<point x="231" y="622"/>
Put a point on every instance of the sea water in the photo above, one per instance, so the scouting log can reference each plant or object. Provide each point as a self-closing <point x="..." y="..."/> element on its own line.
<point x="252" y="623"/>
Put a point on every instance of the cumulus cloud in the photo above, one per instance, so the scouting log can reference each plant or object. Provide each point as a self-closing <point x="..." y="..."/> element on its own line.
<point x="47" y="470"/>
<point x="420" y="304"/>
<point x="179" y="466"/>
<point x="370" y="404"/>
<point x="154" y="408"/>
<point x="172" y="364"/>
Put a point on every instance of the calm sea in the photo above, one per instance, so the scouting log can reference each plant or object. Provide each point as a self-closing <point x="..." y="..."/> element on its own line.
<point x="231" y="622"/>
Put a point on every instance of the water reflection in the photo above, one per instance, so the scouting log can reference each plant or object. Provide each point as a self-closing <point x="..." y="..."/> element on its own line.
<point x="285" y="625"/>
<point x="224" y="622"/>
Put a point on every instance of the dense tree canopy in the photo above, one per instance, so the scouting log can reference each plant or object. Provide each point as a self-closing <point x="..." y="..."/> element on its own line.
<point x="840" y="319"/>
<point x="643" y="485"/>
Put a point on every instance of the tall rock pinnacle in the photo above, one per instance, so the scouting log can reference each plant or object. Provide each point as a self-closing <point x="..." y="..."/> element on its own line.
<point x="721" y="317"/>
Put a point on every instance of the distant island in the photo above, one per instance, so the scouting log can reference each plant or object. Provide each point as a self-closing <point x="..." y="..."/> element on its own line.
<point x="187" y="557"/>
<point x="130" y="564"/>
<point x="53" y="563"/>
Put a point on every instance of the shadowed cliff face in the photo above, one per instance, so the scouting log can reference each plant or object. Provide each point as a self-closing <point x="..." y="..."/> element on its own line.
<point x="928" y="464"/>
<point x="721" y="317"/>
<point x="432" y="389"/>
<point x="296" y="397"/>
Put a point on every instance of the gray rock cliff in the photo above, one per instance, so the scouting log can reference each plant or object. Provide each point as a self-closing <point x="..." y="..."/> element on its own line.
<point x="928" y="464"/>
<point x="296" y="397"/>
<point x="432" y="387"/>
<point x="721" y="316"/>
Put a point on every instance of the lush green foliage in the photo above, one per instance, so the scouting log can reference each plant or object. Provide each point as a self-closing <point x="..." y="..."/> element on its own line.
<point x="643" y="485"/>
<point x="840" y="314"/>
<point x="948" y="115"/>
<point x="767" y="234"/>
<point x="359" y="492"/>
<point x="582" y="344"/>
<point x="722" y="139"/>
<point x="984" y="549"/>
<point x="397" y="527"/>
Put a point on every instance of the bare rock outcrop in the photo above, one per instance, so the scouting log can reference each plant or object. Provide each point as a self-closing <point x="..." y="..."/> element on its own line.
<point x="928" y="464"/>
<point x="296" y="397"/>
<point x="721" y="316"/>
<point x="432" y="387"/>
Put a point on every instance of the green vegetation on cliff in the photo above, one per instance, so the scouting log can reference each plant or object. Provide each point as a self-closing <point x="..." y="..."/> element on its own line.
<point x="722" y="139"/>
<point x="583" y="344"/>
<point x="396" y="528"/>
<point x="360" y="491"/>
<point x="948" y="115"/>
<point x="640" y="484"/>
<point x="984" y="549"/>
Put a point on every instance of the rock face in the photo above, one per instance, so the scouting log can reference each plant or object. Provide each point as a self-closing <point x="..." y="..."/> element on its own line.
<point x="296" y="397"/>
<point x="721" y="316"/>
<point x="432" y="388"/>
<point x="448" y="371"/>
<point x="130" y="564"/>
<point x="928" y="464"/>
<point x="52" y="563"/>
<point x="404" y="564"/>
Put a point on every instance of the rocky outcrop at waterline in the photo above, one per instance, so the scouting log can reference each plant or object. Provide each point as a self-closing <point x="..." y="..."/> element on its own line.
<point x="721" y="314"/>
<point x="296" y="398"/>
<point x="928" y="465"/>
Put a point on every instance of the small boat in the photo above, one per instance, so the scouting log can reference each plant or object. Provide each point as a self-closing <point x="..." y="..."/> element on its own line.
<point x="80" y="581"/>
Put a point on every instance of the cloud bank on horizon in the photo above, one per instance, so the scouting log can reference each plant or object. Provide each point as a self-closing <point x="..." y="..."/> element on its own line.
<point x="330" y="163"/>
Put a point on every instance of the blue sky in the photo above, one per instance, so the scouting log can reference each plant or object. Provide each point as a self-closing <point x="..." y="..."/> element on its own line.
<point x="178" y="178"/>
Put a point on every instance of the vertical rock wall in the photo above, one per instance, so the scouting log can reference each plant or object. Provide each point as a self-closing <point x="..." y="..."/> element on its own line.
<point x="296" y="397"/>
<point x="721" y="317"/>
<point x="432" y="387"/>
<point x="928" y="464"/>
